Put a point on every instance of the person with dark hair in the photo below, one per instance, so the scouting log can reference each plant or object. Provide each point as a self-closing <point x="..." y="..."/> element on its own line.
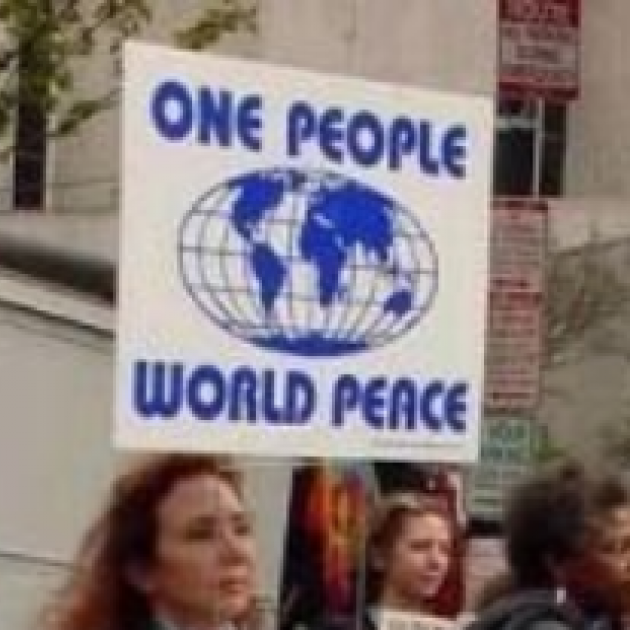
<point x="173" y="550"/>
<point x="555" y="525"/>
<point x="613" y="540"/>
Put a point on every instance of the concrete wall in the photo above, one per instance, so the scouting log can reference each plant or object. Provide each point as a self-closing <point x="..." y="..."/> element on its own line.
<point x="598" y="160"/>
<point x="56" y="458"/>
<point x="55" y="385"/>
<point x="447" y="45"/>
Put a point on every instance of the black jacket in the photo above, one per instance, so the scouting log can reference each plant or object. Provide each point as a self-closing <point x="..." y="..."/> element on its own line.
<point x="341" y="623"/>
<point x="530" y="610"/>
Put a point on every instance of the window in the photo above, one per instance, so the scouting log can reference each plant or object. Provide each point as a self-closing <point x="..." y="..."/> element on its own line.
<point x="530" y="147"/>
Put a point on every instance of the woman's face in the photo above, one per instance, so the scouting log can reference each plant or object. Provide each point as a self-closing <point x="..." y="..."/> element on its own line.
<point x="418" y="562"/>
<point x="613" y="549"/>
<point x="601" y="574"/>
<point x="203" y="571"/>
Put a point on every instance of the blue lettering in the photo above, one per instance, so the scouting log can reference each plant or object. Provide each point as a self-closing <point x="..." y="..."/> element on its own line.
<point x="432" y="394"/>
<point x="346" y="396"/>
<point x="293" y="404"/>
<point x="401" y="142"/>
<point x="300" y="398"/>
<point x="206" y="392"/>
<point x="152" y="396"/>
<point x="272" y="414"/>
<point x="366" y="139"/>
<point x="331" y="133"/>
<point x="401" y="405"/>
<point x="370" y="141"/>
<point x="301" y="126"/>
<point x="172" y="109"/>
<point x="455" y="407"/>
<point x="249" y="122"/>
<point x="165" y="390"/>
<point x="222" y="117"/>
<point x="215" y="115"/>
<point x="454" y="151"/>
<point x="243" y="395"/>
<point x="430" y="164"/>
<point x="374" y="402"/>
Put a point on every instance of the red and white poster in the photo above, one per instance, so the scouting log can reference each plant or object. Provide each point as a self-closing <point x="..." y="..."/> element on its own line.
<point x="539" y="48"/>
<point x="515" y="324"/>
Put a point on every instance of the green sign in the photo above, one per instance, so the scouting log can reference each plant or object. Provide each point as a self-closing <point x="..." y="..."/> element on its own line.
<point x="505" y="457"/>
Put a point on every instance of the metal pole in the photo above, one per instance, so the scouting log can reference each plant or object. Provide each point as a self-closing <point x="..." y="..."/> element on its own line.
<point x="539" y="143"/>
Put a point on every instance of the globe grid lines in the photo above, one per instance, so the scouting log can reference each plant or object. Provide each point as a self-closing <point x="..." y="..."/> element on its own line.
<point x="198" y="261"/>
<point x="218" y="289"/>
<point x="222" y="253"/>
<point x="362" y="309"/>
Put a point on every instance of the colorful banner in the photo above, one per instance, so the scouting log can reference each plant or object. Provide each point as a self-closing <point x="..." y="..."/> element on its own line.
<point x="327" y="575"/>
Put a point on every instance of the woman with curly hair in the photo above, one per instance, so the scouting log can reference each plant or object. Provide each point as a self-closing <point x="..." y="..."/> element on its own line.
<point x="173" y="550"/>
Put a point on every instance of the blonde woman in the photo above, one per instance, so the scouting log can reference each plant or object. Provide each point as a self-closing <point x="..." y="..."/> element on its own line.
<point x="410" y="553"/>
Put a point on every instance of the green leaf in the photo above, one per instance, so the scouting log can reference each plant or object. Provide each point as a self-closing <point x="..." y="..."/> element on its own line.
<point x="42" y="40"/>
<point x="230" y="16"/>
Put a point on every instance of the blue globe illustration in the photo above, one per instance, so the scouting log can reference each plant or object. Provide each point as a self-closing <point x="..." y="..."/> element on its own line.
<point x="310" y="263"/>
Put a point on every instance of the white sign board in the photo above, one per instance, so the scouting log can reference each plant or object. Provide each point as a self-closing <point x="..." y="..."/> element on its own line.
<point x="303" y="265"/>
